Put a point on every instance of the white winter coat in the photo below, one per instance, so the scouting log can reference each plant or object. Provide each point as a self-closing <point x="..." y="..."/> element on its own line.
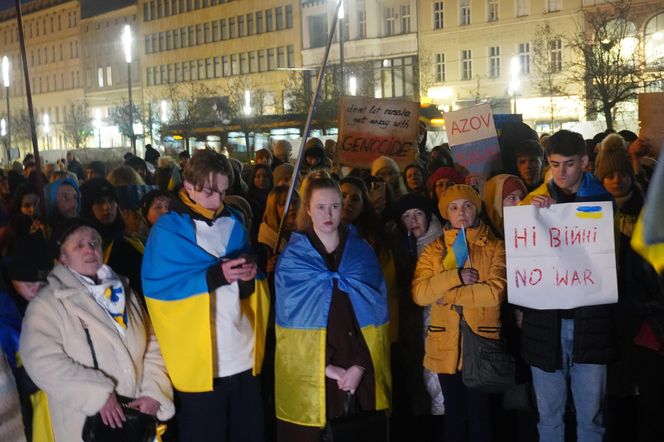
<point x="56" y="355"/>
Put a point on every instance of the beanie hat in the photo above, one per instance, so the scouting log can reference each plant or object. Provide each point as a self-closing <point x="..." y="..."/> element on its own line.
<point x="411" y="201"/>
<point x="511" y="184"/>
<point x="314" y="148"/>
<point x="94" y="189"/>
<point x="613" y="158"/>
<point x="382" y="163"/>
<point x="28" y="258"/>
<point x="459" y="191"/>
<point x="281" y="172"/>
<point x="444" y="172"/>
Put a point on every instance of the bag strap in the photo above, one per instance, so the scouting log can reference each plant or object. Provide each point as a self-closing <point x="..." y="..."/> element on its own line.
<point x="92" y="347"/>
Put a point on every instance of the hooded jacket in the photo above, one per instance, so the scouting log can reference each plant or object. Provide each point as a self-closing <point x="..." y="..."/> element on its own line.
<point x="443" y="290"/>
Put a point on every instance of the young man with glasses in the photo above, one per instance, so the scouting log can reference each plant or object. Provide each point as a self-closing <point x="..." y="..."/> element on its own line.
<point x="199" y="276"/>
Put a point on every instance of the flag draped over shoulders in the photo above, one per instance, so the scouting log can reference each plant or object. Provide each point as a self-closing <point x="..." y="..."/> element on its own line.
<point x="304" y="288"/>
<point x="178" y="300"/>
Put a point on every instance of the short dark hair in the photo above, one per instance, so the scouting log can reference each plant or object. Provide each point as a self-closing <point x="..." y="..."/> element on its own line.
<point x="566" y="143"/>
<point x="529" y="148"/>
<point x="98" y="168"/>
<point x="205" y="162"/>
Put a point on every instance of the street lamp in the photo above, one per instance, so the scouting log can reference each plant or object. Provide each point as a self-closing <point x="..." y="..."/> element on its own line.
<point x="515" y="70"/>
<point x="126" y="44"/>
<point x="5" y="82"/>
<point x="47" y="128"/>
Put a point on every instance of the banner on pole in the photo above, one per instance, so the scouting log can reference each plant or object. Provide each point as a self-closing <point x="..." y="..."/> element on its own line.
<point x="472" y="136"/>
<point x="561" y="257"/>
<point x="371" y="127"/>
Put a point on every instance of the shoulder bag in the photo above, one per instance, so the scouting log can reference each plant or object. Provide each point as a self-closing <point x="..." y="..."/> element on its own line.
<point x="139" y="427"/>
<point x="487" y="366"/>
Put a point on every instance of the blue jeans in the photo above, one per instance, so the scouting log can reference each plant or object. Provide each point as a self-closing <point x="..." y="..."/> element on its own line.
<point x="588" y="382"/>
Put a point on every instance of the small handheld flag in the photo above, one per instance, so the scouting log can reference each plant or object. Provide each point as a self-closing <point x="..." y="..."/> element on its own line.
<point x="457" y="253"/>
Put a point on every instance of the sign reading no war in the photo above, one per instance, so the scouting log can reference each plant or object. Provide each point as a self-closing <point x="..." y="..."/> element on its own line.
<point x="561" y="257"/>
<point x="370" y="128"/>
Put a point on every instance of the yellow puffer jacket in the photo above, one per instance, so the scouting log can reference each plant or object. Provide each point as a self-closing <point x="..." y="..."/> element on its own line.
<point x="443" y="289"/>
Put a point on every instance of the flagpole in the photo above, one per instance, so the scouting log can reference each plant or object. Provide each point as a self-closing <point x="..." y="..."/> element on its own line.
<point x="465" y="240"/>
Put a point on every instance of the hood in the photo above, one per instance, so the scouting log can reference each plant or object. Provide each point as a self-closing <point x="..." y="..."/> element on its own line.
<point x="493" y="200"/>
<point x="51" y="191"/>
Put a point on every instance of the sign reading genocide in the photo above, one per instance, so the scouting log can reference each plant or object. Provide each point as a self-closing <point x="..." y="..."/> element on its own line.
<point x="472" y="136"/>
<point x="561" y="257"/>
<point x="370" y="128"/>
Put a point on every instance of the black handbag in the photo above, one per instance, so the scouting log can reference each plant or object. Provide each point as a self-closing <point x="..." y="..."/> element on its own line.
<point x="138" y="427"/>
<point x="356" y="425"/>
<point x="487" y="365"/>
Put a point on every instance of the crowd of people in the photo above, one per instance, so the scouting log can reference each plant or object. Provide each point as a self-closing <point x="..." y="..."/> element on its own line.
<point x="202" y="291"/>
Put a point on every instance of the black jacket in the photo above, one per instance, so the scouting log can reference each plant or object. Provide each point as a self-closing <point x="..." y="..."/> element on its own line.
<point x="594" y="326"/>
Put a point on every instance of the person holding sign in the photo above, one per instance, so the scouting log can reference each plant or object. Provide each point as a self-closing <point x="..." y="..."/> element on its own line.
<point x="571" y="345"/>
<point x="464" y="270"/>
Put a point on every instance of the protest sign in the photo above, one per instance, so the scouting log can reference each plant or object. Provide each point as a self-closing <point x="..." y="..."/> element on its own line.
<point x="561" y="257"/>
<point x="370" y="128"/>
<point x="472" y="137"/>
<point x="651" y="115"/>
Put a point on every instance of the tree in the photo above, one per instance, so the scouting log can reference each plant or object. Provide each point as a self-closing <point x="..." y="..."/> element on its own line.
<point x="244" y="101"/>
<point x="121" y="117"/>
<point x="20" y="128"/>
<point x="77" y="126"/>
<point x="300" y="87"/>
<point x="609" y="63"/>
<point x="191" y="105"/>
<point x="548" y="67"/>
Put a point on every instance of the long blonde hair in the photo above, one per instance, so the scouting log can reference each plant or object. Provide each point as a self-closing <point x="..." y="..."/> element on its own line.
<point x="316" y="180"/>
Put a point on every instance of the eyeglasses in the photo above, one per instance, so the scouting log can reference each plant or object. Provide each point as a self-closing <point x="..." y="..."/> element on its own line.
<point x="207" y="191"/>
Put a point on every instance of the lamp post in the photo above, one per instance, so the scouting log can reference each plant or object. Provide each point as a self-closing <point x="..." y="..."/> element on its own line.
<point x="126" y="44"/>
<point x="47" y="129"/>
<point x="341" y="16"/>
<point x="515" y="70"/>
<point x="5" y="81"/>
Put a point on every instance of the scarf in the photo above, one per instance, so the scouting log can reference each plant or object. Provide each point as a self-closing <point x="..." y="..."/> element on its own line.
<point x="109" y="293"/>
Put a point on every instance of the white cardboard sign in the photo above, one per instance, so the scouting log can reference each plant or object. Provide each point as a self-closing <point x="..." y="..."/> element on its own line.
<point x="561" y="257"/>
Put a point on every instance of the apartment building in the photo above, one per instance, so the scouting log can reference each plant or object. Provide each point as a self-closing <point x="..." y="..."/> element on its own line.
<point x="53" y="52"/>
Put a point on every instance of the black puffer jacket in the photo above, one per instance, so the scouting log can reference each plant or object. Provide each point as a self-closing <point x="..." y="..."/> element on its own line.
<point x="594" y="340"/>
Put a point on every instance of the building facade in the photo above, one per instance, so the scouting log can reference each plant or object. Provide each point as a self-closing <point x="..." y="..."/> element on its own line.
<point x="52" y="37"/>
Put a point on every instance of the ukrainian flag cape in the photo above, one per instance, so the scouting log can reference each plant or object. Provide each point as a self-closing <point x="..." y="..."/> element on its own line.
<point x="648" y="237"/>
<point x="303" y="295"/>
<point x="177" y="297"/>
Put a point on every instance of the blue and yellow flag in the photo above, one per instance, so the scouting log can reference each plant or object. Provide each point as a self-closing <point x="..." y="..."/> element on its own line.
<point x="648" y="237"/>
<point x="457" y="254"/>
<point x="303" y="294"/>
<point x="176" y="293"/>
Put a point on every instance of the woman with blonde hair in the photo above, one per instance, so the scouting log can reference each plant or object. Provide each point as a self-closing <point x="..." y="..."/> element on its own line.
<point x="331" y="319"/>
